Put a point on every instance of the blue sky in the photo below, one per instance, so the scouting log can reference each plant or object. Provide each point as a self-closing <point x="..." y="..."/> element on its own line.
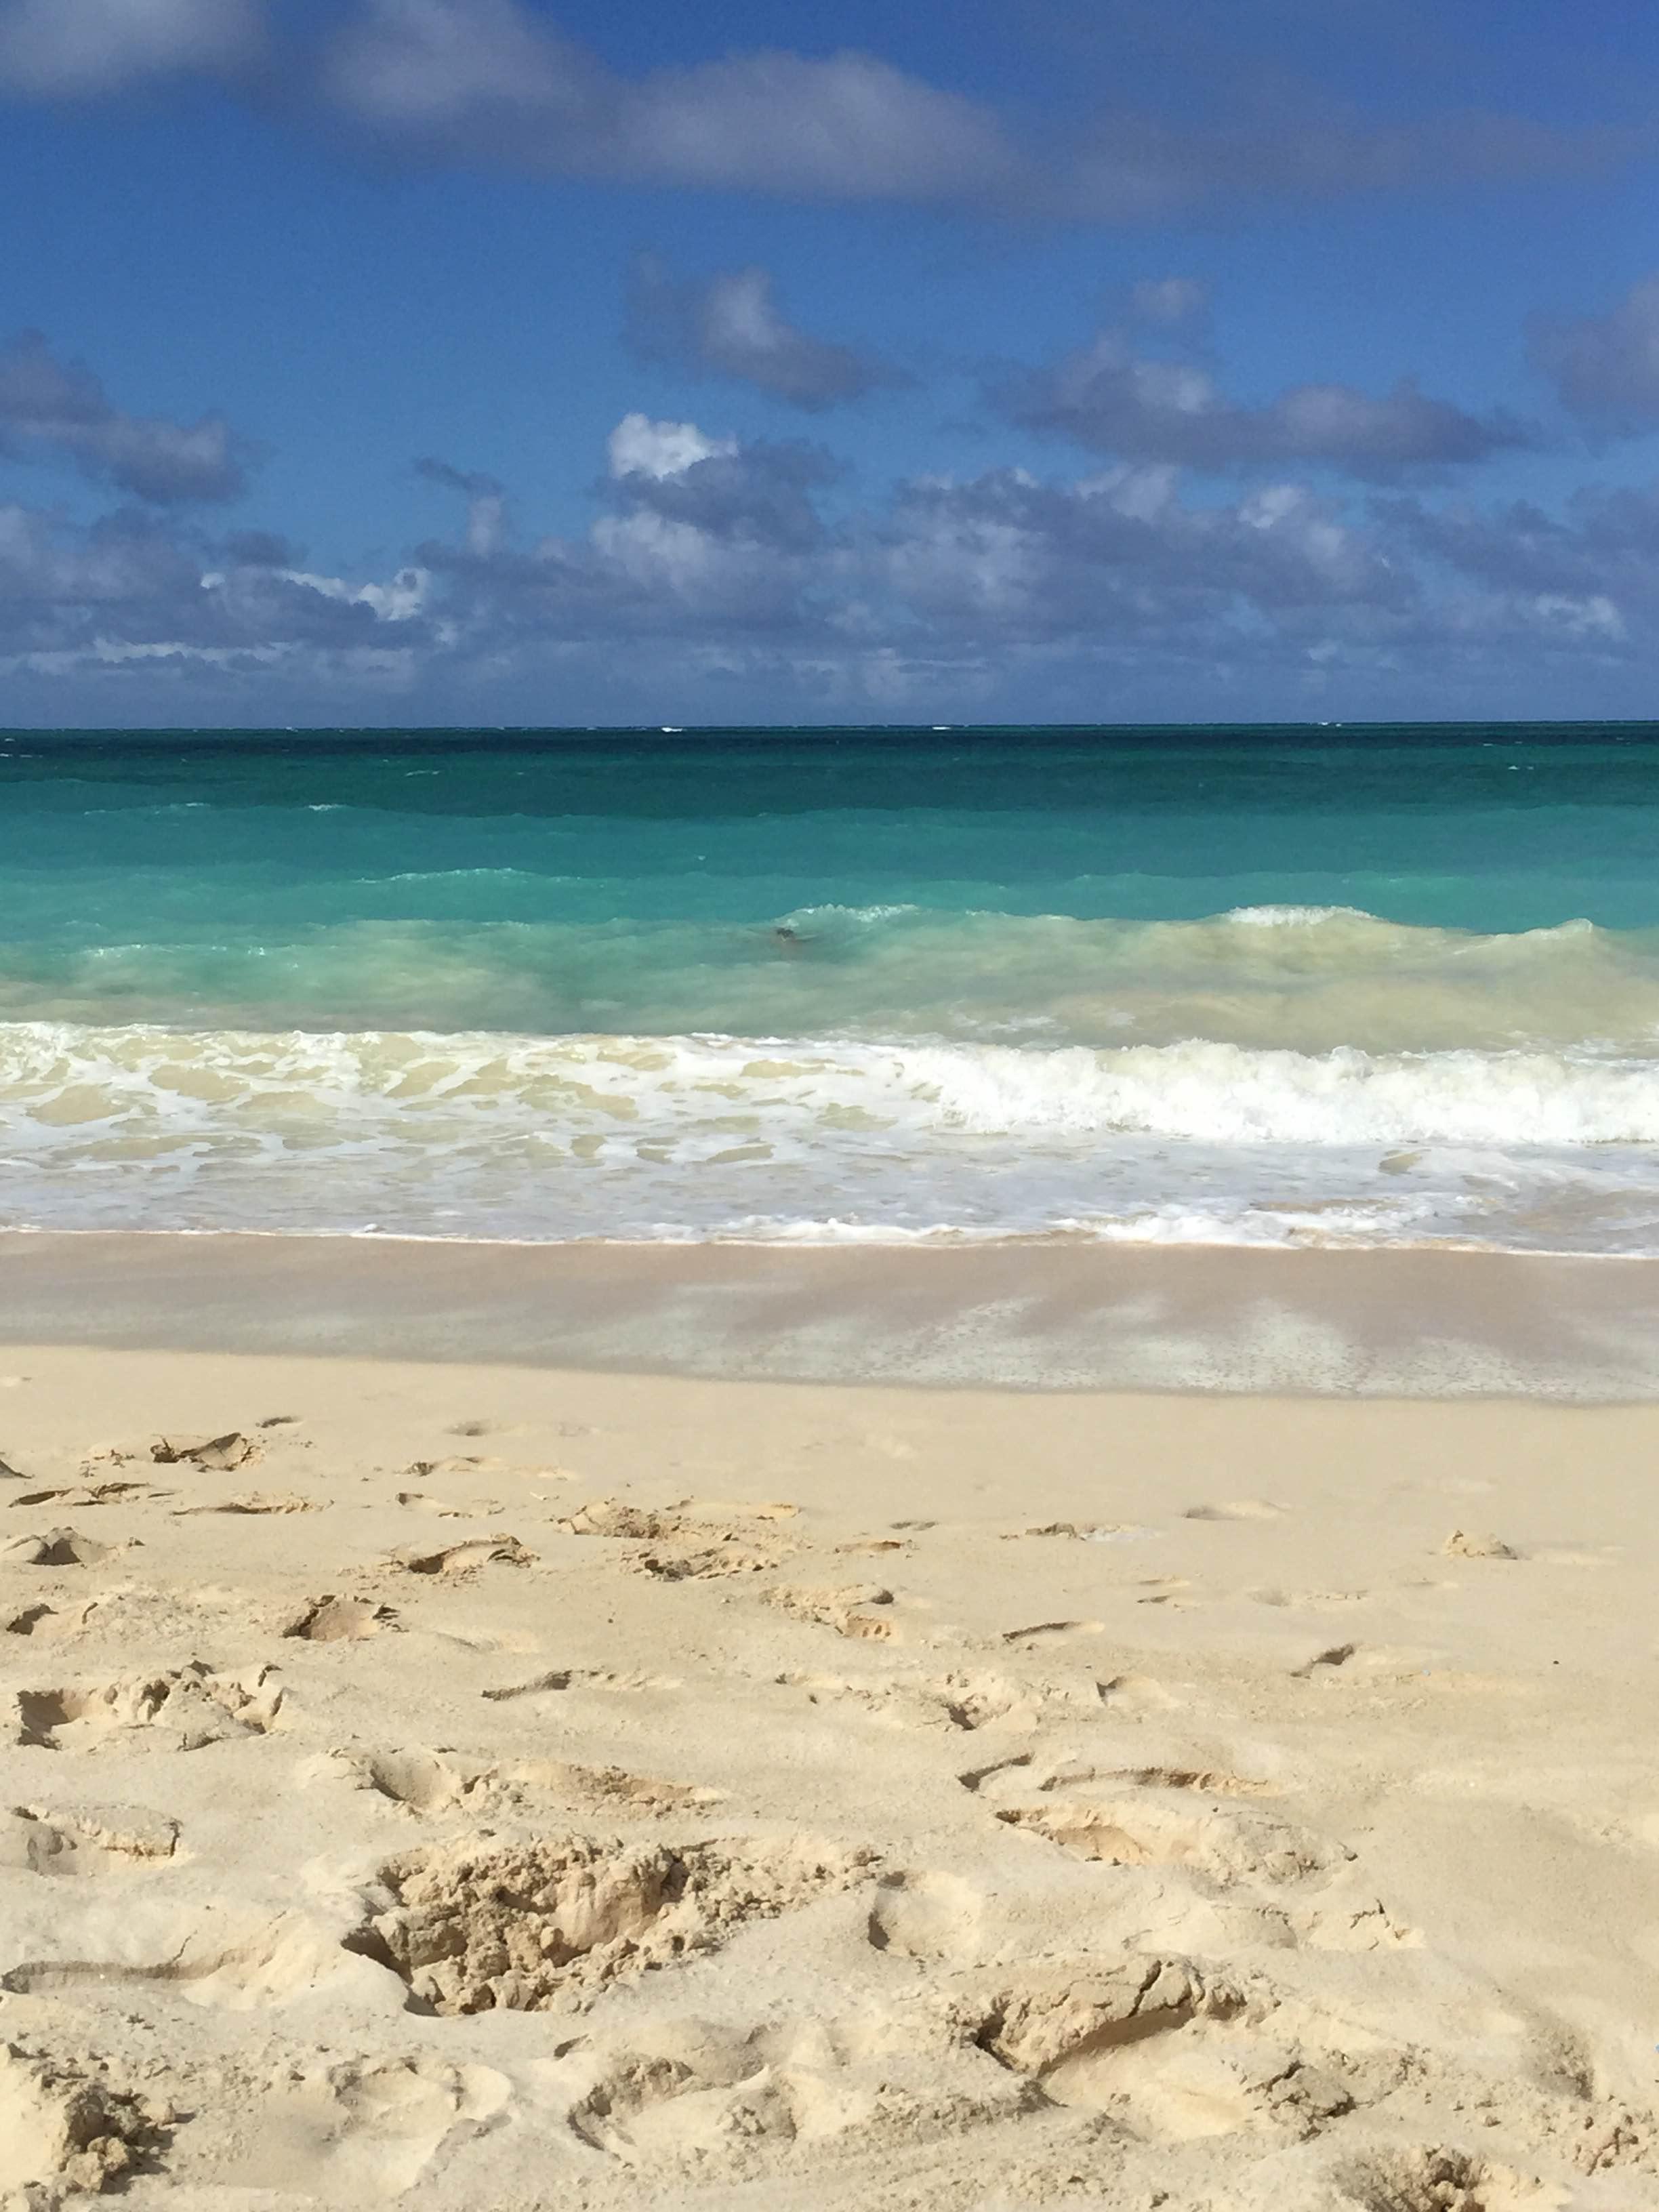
<point x="426" y="360"/>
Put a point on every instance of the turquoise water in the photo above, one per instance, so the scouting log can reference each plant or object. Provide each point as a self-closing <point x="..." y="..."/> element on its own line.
<point x="1296" y="985"/>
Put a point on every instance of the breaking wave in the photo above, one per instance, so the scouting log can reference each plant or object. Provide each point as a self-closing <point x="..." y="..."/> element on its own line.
<point x="479" y="1133"/>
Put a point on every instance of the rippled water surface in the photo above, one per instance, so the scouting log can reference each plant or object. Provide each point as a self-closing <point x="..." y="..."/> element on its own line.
<point x="1347" y="986"/>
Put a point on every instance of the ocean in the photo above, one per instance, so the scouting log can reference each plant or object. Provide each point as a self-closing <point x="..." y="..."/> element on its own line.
<point x="1352" y="985"/>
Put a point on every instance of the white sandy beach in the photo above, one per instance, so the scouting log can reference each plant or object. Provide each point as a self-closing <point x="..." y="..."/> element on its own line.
<point x="484" y="1785"/>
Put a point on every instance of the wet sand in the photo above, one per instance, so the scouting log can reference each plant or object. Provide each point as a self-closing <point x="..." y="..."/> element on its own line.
<point x="465" y="1780"/>
<point x="1036" y="1316"/>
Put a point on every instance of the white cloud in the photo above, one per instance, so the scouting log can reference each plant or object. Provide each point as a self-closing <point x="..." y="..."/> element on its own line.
<point x="493" y="81"/>
<point x="732" y="325"/>
<point x="488" y="78"/>
<point x="399" y="600"/>
<point x="1606" y="367"/>
<point x="74" y="48"/>
<point x="1109" y="398"/>
<point x="496" y="82"/>
<point x="425" y="64"/>
<point x="710" y="562"/>
<point x="49" y="408"/>
<point x="640" y="447"/>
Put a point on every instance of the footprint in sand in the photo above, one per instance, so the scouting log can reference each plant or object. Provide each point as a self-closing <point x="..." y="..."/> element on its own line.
<point x="341" y="1620"/>
<point x="426" y="1782"/>
<point x="710" y="1563"/>
<point x="47" y="1621"/>
<point x="686" y="2100"/>
<point x="712" y="1542"/>
<point x="1309" y="1887"/>
<point x="233" y="1960"/>
<point x="1465" y="1544"/>
<point x="928" y="1915"/>
<point x="87" y="1839"/>
<point x="363" y="2130"/>
<point x="186" y="1708"/>
<point x="421" y="1501"/>
<point x="857" y="1609"/>
<point x="454" y="1561"/>
<point x="420" y="1781"/>
<point x="1138" y="1693"/>
<point x="609" y="1516"/>
<point x="219" y="1454"/>
<point x="1166" y="1590"/>
<point x="59" y="1548"/>
<point x="1113" y="1819"/>
<point x="1169" y="2045"/>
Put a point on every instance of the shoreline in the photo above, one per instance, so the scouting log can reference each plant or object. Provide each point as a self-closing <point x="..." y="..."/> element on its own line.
<point x="1038" y="1317"/>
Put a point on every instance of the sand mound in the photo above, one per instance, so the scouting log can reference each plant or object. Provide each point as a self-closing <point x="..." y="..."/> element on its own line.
<point x="525" y="1927"/>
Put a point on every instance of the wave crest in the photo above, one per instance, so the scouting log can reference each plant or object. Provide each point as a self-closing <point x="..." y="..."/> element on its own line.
<point x="58" y="1077"/>
<point x="484" y="1135"/>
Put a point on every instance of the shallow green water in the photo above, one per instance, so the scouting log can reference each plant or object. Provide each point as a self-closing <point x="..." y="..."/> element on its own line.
<point x="1153" y="983"/>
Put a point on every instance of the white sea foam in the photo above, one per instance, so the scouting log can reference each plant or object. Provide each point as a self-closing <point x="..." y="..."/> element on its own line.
<point x="1291" y="917"/>
<point x="58" y="1077"/>
<point x="488" y="1134"/>
<point x="1224" y="1094"/>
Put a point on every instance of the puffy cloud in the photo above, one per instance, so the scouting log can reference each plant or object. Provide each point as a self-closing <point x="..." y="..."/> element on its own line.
<point x="132" y="589"/>
<point x="60" y="49"/>
<point x="49" y="408"/>
<point x="760" y="495"/>
<point x="715" y="568"/>
<point x="700" y="539"/>
<point x="1602" y="554"/>
<point x="1124" y="557"/>
<point x="1114" y="400"/>
<point x="731" y="326"/>
<point x="1606" y="367"/>
<point x="640" y="447"/>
